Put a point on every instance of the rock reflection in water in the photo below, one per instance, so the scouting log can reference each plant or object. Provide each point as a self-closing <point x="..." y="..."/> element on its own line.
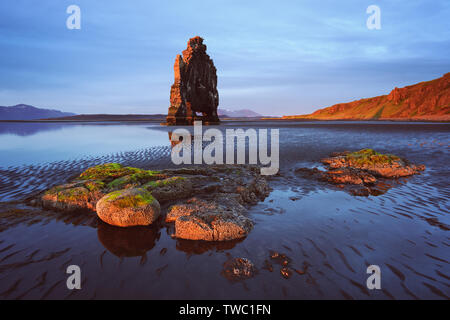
<point x="200" y="247"/>
<point x="127" y="242"/>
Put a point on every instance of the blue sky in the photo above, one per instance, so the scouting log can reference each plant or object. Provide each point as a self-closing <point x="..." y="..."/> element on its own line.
<point x="274" y="57"/>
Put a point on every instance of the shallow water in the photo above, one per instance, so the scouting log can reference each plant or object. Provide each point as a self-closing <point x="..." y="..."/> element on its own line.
<point x="330" y="235"/>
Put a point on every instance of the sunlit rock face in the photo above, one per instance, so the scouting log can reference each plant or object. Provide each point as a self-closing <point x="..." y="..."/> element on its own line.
<point x="194" y="95"/>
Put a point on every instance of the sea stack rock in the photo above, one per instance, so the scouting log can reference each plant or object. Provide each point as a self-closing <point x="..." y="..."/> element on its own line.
<point x="194" y="96"/>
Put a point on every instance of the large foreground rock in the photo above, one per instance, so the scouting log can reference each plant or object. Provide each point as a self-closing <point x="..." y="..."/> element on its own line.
<point x="129" y="207"/>
<point x="210" y="221"/>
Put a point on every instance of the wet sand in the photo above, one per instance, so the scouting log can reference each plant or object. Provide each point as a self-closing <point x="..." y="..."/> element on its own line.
<point x="328" y="235"/>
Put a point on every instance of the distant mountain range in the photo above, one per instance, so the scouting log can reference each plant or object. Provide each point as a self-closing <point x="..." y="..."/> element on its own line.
<point x="428" y="100"/>
<point x="27" y="112"/>
<point x="243" y="113"/>
<point x="113" y="117"/>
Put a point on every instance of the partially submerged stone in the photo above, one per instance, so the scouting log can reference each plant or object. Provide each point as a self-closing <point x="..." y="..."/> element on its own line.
<point x="238" y="269"/>
<point x="208" y="220"/>
<point x="220" y="214"/>
<point x="128" y="207"/>
<point x="381" y="165"/>
<point x="362" y="170"/>
<point x="286" y="272"/>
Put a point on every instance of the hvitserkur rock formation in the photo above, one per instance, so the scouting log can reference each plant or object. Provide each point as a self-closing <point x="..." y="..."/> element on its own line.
<point x="194" y="95"/>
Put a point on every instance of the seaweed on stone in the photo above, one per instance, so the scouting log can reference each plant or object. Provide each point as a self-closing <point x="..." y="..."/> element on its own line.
<point x="131" y="200"/>
<point x="370" y="157"/>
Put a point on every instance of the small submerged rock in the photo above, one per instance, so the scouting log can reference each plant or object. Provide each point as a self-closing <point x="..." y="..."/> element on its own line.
<point x="286" y="272"/>
<point x="238" y="269"/>
<point x="360" y="172"/>
<point x="285" y="262"/>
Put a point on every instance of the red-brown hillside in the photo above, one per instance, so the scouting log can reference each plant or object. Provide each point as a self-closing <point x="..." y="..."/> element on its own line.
<point x="428" y="100"/>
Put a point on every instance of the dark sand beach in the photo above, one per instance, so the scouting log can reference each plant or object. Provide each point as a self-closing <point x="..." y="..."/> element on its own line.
<point x="328" y="236"/>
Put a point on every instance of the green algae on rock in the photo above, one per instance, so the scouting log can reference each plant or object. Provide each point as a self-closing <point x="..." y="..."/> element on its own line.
<point x="112" y="171"/>
<point x="105" y="171"/>
<point x="70" y="197"/>
<point x="370" y="157"/>
<point x="134" y="179"/>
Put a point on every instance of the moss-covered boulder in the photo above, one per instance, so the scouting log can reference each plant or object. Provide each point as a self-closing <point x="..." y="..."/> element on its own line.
<point x="128" y="207"/>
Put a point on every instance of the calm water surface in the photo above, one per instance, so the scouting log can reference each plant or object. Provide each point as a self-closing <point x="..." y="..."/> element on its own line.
<point x="327" y="233"/>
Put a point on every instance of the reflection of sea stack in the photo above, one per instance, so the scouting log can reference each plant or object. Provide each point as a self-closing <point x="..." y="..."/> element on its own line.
<point x="195" y="87"/>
